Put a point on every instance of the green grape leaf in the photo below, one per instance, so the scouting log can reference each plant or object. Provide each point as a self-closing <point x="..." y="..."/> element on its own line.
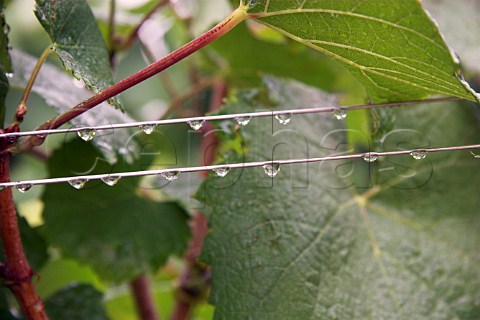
<point x="115" y="230"/>
<point x="392" y="47"/>
<point x="62" y="92"/>
<point x="5" y="62"/>
<point x="312" y="243"/>
<point x="76" y="302"/>
<point x="245" y="64"/>
<point x="78" y="42"/>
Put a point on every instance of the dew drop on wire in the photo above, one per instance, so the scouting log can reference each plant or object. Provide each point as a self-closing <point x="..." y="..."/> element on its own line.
<point x="78" y="183"/>
<point x="369" y="157"/>
<point x="243" y="121"/>
<point x="86" y="135"/>
<point x="418" y="155"/>
<point x="148" y="128"/>
<point x="271" y="169"/>
<point x="196" y="124"/>
<point x="111" y="180"/>
<point x="171" y="175"/>
<point x="284" y="118"/>
<point x="339" y="114"/>
<point x="222" y="172"/>
<point x="23" y="187"/>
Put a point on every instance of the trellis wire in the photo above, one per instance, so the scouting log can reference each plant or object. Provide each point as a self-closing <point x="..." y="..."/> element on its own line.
<point x="44" y="133"/>
<point x="120" y="175"/>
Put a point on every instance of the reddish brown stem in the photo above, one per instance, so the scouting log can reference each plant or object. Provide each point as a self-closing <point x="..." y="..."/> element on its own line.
<point x="221" y="29"/>
<point x="143" y="298"/>
<point x="196" y="278"/>
<point x="16" y="270"/>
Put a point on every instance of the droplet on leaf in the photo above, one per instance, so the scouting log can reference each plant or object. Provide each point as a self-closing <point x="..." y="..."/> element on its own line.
<point x="148" y="128"/>
<point x="222" y="172"/>
<point x="111" y="180"/>
<point x="196" y="124"/>
<point x="171" y="175"/>
<point x="78" y="183"/>
<point x="9" y="75"/>
<point x="86" y="135"/>
<point x="284" y="118"/>
<point x="243" y="121"/>
<point x="272" y="169"/>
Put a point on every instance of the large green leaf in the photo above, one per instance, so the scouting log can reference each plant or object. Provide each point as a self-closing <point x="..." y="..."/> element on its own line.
<point x="309" y="245"/>
<point x="114" y="229"/>
<point x="60" y="92"/>
<point x="391" y="46"/>
<point x="77" y="302"/>
<point x="245" y="64"/>
<point x="77" y="40"/>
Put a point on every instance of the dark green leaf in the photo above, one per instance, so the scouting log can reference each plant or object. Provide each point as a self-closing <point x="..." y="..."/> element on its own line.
<point x="309" y="245"/>
<point x="77" y="40"/>
<point x="77" y="302"/>
<point x="60" y="92"/>
<point x="114" y="229"/>
<point x="5" y="62"/>
<point x="391" y="46"/>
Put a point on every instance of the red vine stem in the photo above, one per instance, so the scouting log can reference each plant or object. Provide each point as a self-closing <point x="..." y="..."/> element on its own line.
<point x="16" y="270"/>
<point x="143" y="298"/>
<point x="216" y="32"/>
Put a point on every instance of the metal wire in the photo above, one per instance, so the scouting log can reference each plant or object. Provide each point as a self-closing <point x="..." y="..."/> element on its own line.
<point x="369" y="157"/>
<point x="44" y="133"/>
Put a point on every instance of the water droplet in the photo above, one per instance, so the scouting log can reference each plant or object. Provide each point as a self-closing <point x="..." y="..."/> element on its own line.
<point x="196" y="124"/>
<point x="272" y="169"/>
<point x="86" y="135"/>
<point x="284" y="118"/>
<point x="418" y="155"/>
<point x="222" y="172"/>
<point x="78" y="183"/>
<point x="2" y="188"/>
<point x="243" y="121"/>
<point x="148" y="128"/>
<point x="23" y="187"/>
<point x="339" y="114"/>
<point x="253" y="3"/>
<point x="111" y="180"/>
<point x="9" y="75"/>
<point x="6" y="28"/>
<point x="476" y="156"/>
<point x="171" y="175"/>
<point x="370" y="157"/>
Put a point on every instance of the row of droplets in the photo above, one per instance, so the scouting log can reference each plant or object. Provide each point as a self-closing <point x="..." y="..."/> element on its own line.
<point x="282" y="118"/>
<point x="270" y="169"/>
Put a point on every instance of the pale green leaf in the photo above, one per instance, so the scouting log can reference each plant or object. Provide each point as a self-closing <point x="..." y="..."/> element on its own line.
<point x="308" y="245"/>
<point x="62" y="92"/>
<point x="391" y="46"/>
<point x="78" y="41"/>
